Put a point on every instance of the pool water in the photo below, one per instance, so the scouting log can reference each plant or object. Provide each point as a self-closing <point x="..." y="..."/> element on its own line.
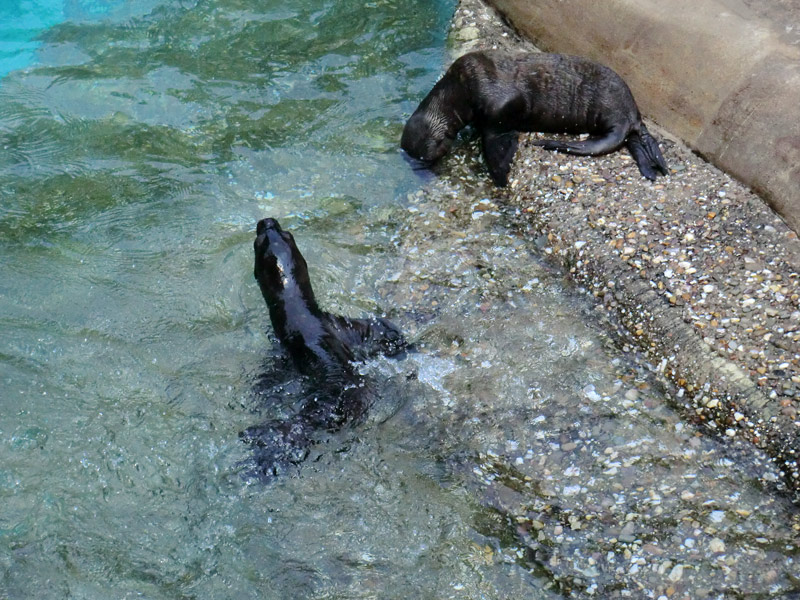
<point x="20" y="22"/>
<point x="519" y="451"/>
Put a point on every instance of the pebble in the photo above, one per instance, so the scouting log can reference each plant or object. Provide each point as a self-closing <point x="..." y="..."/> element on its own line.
<point x="468" y="34"/>
<point x="591" y="394"/>
<point x="717" y="546"/>
<point x="676" y="573"/>
<point x="626" y="535"/>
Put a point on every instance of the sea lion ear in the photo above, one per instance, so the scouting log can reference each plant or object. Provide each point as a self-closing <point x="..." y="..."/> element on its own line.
<point x="498" y="152"/>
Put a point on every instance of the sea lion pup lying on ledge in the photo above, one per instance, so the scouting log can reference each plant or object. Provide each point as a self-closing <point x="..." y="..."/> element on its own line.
<point x="323" y="346"/>
<point x="504" y="94"/>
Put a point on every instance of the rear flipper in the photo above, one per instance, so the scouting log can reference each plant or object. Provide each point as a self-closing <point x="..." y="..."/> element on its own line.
<point x="591" y="146"/>
<point x="645" y="151"/>
<point x="498" y="152"/>
<point x="280" y="447"/>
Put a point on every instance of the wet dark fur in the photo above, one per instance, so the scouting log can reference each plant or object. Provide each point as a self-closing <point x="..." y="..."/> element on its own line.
<point x="504" y="94"/>
<point x="322" y="346"/>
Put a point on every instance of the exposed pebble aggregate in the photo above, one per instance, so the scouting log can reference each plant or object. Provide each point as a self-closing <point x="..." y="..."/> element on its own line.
<point x="587" y="477"/>
<point x="587" y="444"/>
<point x="700" y="272"/>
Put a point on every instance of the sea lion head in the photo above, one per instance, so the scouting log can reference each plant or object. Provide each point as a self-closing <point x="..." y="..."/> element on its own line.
<point x="428" y="134"/>
<point x="279" y="266"/>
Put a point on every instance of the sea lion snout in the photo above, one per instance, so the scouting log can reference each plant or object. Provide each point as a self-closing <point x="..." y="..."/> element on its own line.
<point x="269" y="234"/>
<point x="414" y="138"/>
<point x="268" y="223"/>
<point x="275" y="254"/>
<point x="279" y="266"/>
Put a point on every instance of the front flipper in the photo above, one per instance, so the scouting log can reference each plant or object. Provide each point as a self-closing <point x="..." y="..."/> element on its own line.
<point x="368" y="337"/>
<point x="498" y="152"/>
<point x="591" y="146"/>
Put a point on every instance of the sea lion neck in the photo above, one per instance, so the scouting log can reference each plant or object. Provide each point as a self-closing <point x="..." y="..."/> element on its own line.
<point x="282" y="275"/>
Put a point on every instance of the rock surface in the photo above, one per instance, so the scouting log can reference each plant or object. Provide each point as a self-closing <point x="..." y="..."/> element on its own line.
<point x="722" y="75"/>
<point x="701" y="275"/>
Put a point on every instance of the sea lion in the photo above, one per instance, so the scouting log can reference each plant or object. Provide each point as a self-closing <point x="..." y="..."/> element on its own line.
<point x="504" y="94"/>
<point x="323" y="346"/>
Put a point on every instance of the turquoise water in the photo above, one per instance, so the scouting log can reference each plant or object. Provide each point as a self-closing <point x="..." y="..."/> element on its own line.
<point x="521" y="452"/>
<point x="22" y="21"/>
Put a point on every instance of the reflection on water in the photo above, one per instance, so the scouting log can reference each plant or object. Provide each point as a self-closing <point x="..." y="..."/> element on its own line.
<point x="518" y="453"/>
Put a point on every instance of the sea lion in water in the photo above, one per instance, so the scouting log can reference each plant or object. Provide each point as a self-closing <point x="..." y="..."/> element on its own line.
<point x="504" y="94"/>
<point x="323" y="346"/>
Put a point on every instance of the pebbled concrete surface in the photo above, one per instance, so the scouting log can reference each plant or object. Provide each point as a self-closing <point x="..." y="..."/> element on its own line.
<point x="723" y="75"/>
<point x="699" y="273"/>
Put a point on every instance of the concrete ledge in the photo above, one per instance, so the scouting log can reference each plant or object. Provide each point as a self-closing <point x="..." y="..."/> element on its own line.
<point x="716" y="73"/>
<point x="696" y="272"/>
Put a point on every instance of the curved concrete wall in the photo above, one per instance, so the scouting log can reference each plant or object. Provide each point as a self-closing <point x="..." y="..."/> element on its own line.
<point x="715" y="73"/>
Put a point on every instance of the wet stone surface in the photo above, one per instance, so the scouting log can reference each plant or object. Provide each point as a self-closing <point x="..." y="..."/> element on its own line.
<point x="603" y="467"/>
<point x="584" y="473"/>
<point x="703" y="275"/>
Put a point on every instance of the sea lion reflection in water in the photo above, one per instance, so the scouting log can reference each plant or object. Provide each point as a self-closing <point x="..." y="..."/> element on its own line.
<point x="504" y="94"/>
<point x="324" y="347"/>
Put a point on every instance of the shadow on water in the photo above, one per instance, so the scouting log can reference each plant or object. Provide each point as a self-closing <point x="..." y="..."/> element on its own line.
<point x="520" y="452"/>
